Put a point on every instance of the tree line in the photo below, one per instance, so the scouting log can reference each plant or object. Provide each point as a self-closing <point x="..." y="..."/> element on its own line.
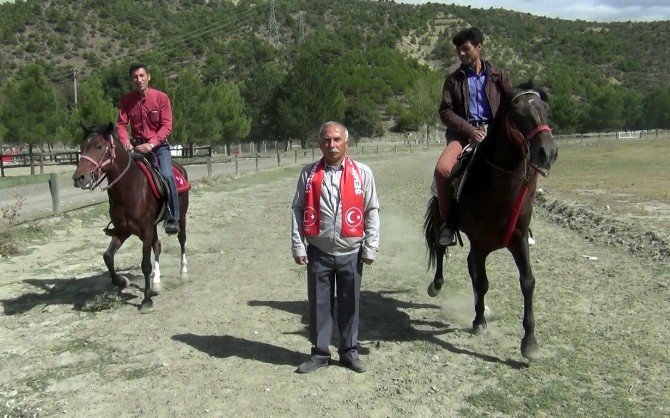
<point x="229" y="83"/>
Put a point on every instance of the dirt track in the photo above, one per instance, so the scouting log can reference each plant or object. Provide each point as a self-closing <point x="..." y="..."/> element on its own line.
<point x="225" y="340"/>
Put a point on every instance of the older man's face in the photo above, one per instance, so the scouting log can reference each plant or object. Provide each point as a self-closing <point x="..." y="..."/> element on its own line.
<point x="333" y="144"/>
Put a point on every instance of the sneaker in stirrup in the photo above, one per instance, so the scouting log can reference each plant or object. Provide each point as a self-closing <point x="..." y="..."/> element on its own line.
<point x="171" y="227"/>
<point x="447" y="235"/>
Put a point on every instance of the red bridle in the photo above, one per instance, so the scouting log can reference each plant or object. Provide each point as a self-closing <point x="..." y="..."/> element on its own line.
<point x="524" y="142"/>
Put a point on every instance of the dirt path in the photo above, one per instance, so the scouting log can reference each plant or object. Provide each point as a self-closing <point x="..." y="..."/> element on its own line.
<point x="225" y="340"/>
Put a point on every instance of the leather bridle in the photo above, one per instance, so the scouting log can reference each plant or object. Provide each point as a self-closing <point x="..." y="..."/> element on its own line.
<point x="108" y="157"/>
<point x="524" y="140"/>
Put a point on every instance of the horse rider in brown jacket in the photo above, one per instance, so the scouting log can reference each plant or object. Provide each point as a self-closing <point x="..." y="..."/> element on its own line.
<point x="471" y="97"/>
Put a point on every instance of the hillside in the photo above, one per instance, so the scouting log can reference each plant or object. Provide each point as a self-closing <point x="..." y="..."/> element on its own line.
<point x="89" y="34"/>
<point x="379" y="61"/>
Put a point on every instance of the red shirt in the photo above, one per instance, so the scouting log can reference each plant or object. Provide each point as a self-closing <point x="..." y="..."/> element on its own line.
<point x="150" y="117"/>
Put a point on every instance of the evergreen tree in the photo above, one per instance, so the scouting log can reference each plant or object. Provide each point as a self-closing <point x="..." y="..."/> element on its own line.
<point x="605" y="111"/>
<point x="229" y="107"/>
<point x="310" y="96"/>
<point x="259" y="91"/>
<point x="94" y="108"/>
<point x="656" y="107"/>
<point x="30" y="110"/>
<point x="194" y="118"/>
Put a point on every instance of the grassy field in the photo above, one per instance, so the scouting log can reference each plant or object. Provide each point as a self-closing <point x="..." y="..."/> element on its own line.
<point x="613" y="172"/>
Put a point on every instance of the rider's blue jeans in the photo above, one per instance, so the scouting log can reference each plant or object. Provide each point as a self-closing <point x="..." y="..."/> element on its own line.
<point x="162" y="154"/>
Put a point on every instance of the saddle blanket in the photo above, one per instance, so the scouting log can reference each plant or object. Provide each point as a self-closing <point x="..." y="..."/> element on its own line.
<point x="180" y="181"/>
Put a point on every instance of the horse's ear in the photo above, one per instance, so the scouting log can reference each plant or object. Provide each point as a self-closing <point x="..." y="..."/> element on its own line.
<point x="110" y="128"/>
<point x="528" y="85"/>
<point x="543" y="92"/>
<point x="85" y="128"/>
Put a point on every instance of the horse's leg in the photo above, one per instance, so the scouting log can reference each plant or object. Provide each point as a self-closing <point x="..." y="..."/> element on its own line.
<point x="183" y="203"/>
<point x="114" y="245"/>
<point x="519" y="250"/>
<point x="436" y="285"/>
<point x="480" y="285"/>
<point x="155" y="260"/>
<point x="147" y="246"/>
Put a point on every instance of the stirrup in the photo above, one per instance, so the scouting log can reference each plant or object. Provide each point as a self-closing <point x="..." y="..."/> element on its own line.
<point x="109" y="229"/>
<point x="447" y="230"/>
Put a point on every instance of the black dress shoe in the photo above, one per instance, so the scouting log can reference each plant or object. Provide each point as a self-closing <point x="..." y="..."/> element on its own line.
<point x="171" y="227"/>
<point x="355" y="365"/>
<point x="311" y="365"/>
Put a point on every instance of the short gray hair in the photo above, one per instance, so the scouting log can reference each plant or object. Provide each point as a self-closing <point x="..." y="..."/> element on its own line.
<point x="334" y="123"/>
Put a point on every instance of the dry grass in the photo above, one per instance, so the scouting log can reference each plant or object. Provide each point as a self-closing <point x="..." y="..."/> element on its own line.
<point x="621" y="177"/>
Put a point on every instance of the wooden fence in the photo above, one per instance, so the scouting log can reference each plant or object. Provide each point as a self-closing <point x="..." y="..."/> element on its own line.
<point x="39" y="159"/>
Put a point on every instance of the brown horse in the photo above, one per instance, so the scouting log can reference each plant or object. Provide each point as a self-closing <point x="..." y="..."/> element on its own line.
<point x="132" y="206"/>
<point x="495" y="201"/>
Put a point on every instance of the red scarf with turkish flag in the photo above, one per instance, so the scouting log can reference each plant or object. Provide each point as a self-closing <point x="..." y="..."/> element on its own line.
<point x="351" y="192"/>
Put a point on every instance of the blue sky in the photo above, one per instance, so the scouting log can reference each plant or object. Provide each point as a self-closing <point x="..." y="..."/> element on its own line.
<point x="590" y="10"/>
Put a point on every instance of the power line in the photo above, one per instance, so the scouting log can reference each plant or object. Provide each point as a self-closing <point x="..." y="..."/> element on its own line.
<point x="301" y="27"/>
<point x="273" y="30"/>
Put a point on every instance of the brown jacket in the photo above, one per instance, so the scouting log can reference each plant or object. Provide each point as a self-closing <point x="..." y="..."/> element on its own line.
<point x="454" y="108"/>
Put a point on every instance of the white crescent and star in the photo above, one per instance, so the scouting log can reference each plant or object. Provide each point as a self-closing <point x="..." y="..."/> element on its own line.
<point x="353" y="217"/>
<point x="310" y="216"/>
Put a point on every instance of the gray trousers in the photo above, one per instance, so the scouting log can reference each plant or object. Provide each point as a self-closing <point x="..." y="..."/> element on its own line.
<point x="328" y="277"/>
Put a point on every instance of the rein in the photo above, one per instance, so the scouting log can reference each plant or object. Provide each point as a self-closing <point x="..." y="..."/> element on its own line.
<point x="530" y="170"/>
<point x="99" y="165"/>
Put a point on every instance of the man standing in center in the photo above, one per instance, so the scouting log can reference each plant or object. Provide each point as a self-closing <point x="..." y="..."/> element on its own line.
<point x="335" y="209"/>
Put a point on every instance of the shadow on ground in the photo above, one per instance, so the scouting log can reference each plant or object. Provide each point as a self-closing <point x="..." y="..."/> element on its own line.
<point x="223" y="346"/>
<point x="77" y="292"/>
<point x="383" y="319"/>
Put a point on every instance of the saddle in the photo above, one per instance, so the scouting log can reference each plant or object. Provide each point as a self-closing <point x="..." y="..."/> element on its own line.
<point x="460" y="171"/>
<point x="459" y="174"/>
<point x="157" y="182"/>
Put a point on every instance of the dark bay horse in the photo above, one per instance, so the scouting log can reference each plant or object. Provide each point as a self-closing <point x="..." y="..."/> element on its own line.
<point x="496" y="201"/>
<point x="133" y="209"/>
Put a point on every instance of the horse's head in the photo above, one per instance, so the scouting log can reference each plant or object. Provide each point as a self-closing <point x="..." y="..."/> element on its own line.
<point x="528" y="122"/>
<point x="97" y="154"/>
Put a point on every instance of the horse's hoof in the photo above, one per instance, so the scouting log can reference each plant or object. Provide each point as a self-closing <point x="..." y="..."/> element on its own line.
<point x="121" y="282"/>
<point x="146" y="305"/>
<point x="529" y="348"/>
<point x="479" y="329"/>
<point x="156" y="287"/>
<point x="488" y="313"/>
<point x="184" y="270"/>
<point x="432" y="290"/>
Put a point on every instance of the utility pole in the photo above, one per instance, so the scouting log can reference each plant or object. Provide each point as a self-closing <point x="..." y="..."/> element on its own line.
<point x="301" y="27"/>
<point x="74" y="78"/>
<point x="272" y="26"/>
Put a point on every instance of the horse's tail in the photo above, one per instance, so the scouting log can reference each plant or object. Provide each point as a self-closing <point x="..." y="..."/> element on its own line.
<point x="431" y="228"/>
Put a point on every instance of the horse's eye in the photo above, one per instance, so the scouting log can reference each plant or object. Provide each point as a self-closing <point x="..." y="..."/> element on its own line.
<point x="99" y="146"/>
